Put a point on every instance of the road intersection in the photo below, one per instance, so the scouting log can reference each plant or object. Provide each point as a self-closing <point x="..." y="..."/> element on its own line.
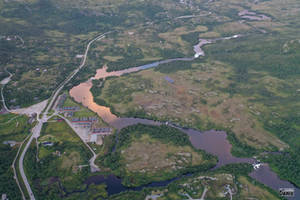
<point x="44" y="118"/>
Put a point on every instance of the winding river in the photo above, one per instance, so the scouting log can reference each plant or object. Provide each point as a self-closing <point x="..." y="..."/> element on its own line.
<point x="214" y="142"/>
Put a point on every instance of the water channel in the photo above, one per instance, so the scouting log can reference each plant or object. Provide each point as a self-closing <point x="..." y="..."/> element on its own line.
<point x="214" y="142"/>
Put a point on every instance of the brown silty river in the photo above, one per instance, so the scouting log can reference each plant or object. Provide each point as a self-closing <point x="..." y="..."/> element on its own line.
<point x="214" y="142"/>
<point x="82" y="94"/>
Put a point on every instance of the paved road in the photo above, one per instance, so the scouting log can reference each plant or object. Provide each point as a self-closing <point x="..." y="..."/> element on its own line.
<point x="94" y="167"/>
<point x="3" y="83"/>
<point x="74" y="72"/>
<point x="36" y="108"/>
<point x="14" y="169"/>
<point x="37" y="129"/>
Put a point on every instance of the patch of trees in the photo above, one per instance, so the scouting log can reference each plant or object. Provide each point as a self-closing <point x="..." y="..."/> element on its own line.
<point x="149" y="10"/>
<point x="97" y="87"/>
<point x="163" y="133"/>
<point x="239" y="148"/>
<point x="131" y="58"/>
<point x="48" y="178"/>
<point x="236" y="169"/>
<point x="287" y="165"/>
<point x="173" y="67"/>
<point x="192" y="38"/>
<point x="287" y="129"/>
<point x="7" y="183"/>
<point x="257" y="53"/>
<point x="130" y="195"/>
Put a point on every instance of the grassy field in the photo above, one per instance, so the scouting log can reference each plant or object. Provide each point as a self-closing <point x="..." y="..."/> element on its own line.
<point x="195" y="99"/>
<point x="254" y="191"/>
<point x="238" y="86"/>
<point x="83" y="112"/>
<point x="43" y="44"/>
<point x="150" y="155"/>
<point x="56" y="170"/>
<point x="147" y="153"/>
<point x="12" y="128"/>
<point x="247" y="86"/>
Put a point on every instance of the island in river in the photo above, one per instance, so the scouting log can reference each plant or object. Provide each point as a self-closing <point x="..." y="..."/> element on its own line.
<point x="214" y="142"/>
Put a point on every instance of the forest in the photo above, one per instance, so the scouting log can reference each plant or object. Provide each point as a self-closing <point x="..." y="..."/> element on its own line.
<point x="172" y="137"/>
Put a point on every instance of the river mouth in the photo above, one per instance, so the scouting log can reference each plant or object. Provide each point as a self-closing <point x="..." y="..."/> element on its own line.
<point x="214" y="142"/>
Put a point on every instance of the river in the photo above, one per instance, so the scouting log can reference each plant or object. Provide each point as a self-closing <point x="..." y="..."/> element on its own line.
<point x="214" y="142"/>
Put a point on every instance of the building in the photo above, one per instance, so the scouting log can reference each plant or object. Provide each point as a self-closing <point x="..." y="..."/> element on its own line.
<point x="84" y="119"/>
<point x="11" y="143"/>
<point x="79" y="56"/>
<point x="102" y="131"/>
<point x="69" y="108"/>
<point x="4" y="197"/>
<point x="61" y="100"/>
<point x="69" y="114"/>
<point x="169" y="79"/>
<point x="59" y="119"/>
<point x="94" y="138"/>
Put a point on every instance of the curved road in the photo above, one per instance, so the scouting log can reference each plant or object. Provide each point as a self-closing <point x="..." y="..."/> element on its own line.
<point x="3" y="83"/>
<point x="37" y="129"/>
<point x="94" y="167"/>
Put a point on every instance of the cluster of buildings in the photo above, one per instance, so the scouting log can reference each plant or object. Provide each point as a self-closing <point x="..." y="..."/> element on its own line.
<point x="86" y="122"/>
<point x="102" y="131"/>
<point x="68" y="110"/>
<point x="91" y="131"/>
<point x="62" y="108"/>
<point x="97" y="134"/>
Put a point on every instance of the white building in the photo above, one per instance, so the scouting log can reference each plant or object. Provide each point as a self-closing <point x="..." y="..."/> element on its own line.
<point x="94" y="138"/>
<point x="4" y="197"/>
<point x="79" y="56"/>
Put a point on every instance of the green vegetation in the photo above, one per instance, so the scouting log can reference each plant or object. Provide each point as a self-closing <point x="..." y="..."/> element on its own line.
<point x="174" y="67"/>
<point x="240" y="149"/>
<point x="248" y="86"/>
<point x="197" y="99"/>
<point x="12" y="128"/>
<point x="58" y="170"/>
<point x="286" y="165"/>
<point x="129" y="195"/>
<point x="148" y="153"/>
<point x="214" y="183"/>
<point x="83" y="112"/>
<point x="40" y="43"/>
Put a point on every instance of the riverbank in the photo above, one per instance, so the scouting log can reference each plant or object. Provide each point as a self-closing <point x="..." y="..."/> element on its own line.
<point x="82" y="94"/>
